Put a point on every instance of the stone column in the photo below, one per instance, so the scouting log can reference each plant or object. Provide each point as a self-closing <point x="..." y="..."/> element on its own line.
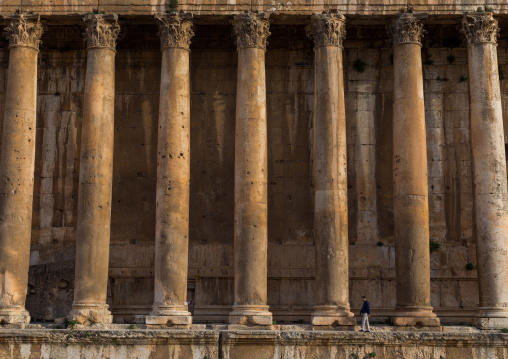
<point x="410" y="192"/>
<point x="489" y="164"/>
<point x="17" y="166"/>
<point x="330" y="173"/>
<point x="250" y="31"/>
<point x="95" y="173"/>
<point x="173" y="174"/>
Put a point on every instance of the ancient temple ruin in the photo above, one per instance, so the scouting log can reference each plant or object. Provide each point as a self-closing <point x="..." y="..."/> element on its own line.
<point x="221" y="169"/>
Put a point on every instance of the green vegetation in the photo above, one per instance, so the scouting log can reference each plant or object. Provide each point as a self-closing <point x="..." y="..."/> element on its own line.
<point x="434" y="246"/>
<point x="470" y="266"/>
<point x="450" y="59"/>
<point x="380" y="244"/>
<point x="462" y="78"/>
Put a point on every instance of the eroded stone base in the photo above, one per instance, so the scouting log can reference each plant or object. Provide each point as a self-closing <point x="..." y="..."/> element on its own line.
<point x="14" y="316"/>
<point x="89" y="314"/>
<point x="491" y="323"/>
<point x="416" y="321"/>
<point x="179" y="318"/>
<point x="251" y="315"/>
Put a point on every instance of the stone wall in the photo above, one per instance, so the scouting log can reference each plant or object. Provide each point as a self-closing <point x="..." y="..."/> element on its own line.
<point x="247" y="344"/>
<point x="289" y="73"/>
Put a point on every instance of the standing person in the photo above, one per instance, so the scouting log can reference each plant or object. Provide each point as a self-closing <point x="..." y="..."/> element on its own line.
<point x="366" y="314"/>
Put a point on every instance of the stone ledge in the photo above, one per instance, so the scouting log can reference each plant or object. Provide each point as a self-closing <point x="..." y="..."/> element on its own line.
<point x="386" y="342"/>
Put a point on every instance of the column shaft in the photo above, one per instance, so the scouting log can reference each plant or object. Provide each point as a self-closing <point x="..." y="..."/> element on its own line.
<point x="95" y="174"/>
<point x="489" y="164"/>
<point x="410" y="197"/>
<point x="251" y="231"/>
<point x="17" y="167"/>
<point x="330" y="174"/>
<point x="173" y="176"/>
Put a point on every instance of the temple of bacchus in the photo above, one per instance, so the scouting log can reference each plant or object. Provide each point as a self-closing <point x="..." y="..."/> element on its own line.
<point x="226" y="179"/>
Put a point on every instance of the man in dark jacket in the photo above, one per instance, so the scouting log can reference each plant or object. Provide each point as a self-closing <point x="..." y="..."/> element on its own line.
<point x="365" y="312"/>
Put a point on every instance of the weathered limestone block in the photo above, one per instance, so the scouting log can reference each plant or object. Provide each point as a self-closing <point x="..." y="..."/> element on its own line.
<point x="17" y="165"/>
<point x="489" y="163"/>
<point x="96" y="172"/>
<point x="330" y="174"/>
<point x="250" y="31"/>
<point x="410" y="194"/>
<point x="173" y="174"/>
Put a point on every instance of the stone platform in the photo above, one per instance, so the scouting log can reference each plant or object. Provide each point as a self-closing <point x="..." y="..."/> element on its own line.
<point x="282" y="342"/>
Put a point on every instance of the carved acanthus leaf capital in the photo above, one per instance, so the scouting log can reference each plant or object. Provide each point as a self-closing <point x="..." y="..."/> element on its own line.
<point x="24" y="30"/>
<point x="251" y="30"/>
<point x="327" y="29"/>
<point x="480" y="27"/>
<point x="175" y="29"/>
<point x="407" y="28"/>
<point x="101" y="30"/>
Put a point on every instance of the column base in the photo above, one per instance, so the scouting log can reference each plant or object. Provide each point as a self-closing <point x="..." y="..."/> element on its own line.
<point x="331" y="315"/>
<point x="14" y="315"/>
<point x="491" y="318"/>
<point x="250" y="315"/>
<point x="420" y="318"/>
<point x="169" y="314"/>
<point x="90" y="313"/>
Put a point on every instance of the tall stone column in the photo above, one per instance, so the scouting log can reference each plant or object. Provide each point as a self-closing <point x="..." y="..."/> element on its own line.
<point x="95" y="173"/>
<point x="17" y="166"/>
<point x="489" y="164"/>
<point x="251" y="199"/>
<point x="410" y="192"/>
<point x="330" y="173"/>
<point x="173" y="174"/>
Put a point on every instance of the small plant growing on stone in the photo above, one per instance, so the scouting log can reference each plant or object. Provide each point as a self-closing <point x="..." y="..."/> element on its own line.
<point x="274" y="322"/>
<point x="462" y="78"/>
<point x="380" y="244"/>
<point x="354" y="355"/>
<point x="470" y="266"/>
<point x="70" y="324"/>
<point x="372" y="355"/>
<point x="173" y="5"/>
<point x="132" y="326"/>
<point x="359" y="65"/>
<point x="450" y="59"/>
<point x="501" y="74"/>
<point x="434" y="246"/>
<point x="479" y="9"/>
<point x="504" y="330"/>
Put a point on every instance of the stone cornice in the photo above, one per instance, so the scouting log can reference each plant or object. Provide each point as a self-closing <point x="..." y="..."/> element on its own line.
<point x="101" y="30"/>
<point x="327" y="29"/>
<point x="24" y="30"/>
<point x="251" y="30"/>
<point x="407" y="28"/>
<point x="175" y="29"/>
<point x="480" y="27"/>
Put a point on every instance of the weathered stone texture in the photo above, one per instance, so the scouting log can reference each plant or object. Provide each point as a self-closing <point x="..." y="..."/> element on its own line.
<point x="289" y="85"/>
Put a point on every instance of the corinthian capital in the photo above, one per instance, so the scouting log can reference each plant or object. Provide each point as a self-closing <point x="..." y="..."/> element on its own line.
<point x="480" y="27"/>
<point x="175" y="30"/>
<point x="101" y="30"/>
<point x="327" y="29"/>
<point x="407" y="28"/>
<point x="24" y="30"/>
<point x="251" y="30"/>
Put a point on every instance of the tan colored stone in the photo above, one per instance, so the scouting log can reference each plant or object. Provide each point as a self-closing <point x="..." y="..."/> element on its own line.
<point x="489" y="159"/>
<point x="17" y="166"/>
<point x="96" y="172"/>
<point x="251" y="171"/>
<point x="410" y="192"/>
<point x="331" y="303"/>
<point x="173" y="174"/>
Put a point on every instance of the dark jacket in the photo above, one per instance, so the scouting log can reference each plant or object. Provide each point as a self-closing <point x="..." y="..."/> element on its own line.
<point x="365" y="307"/>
